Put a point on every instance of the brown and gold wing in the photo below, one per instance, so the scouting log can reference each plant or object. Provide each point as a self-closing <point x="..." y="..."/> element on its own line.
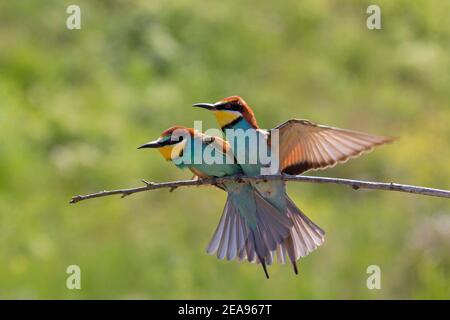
<point x="305" y="145"/>
<point x="219" y="144"/>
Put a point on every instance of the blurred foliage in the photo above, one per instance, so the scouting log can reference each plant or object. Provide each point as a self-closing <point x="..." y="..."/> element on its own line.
<point x="75" y="104"/>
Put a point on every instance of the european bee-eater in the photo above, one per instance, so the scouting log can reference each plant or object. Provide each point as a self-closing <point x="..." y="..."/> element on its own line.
<point x="302" y="145"/>
<point x="250" y="227"/>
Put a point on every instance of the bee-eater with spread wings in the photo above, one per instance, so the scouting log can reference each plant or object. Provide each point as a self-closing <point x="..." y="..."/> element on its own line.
<point x="250" y="227"/>
<point x="302" y="145"/>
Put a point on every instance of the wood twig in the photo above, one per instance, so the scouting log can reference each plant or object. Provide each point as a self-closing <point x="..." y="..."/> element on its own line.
<point x="355" y="184"/>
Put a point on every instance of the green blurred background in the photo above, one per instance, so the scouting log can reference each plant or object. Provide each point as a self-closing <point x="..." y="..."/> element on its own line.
<point x="74" y="105"/>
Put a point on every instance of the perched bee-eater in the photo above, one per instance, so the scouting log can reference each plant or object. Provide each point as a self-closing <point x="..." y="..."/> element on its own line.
<point x="250" y="227"/>
<point x="300" y="145"/>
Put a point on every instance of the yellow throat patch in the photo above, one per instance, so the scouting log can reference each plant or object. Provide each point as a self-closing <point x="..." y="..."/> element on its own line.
<point x="226" y="117"/>
<point x="172" y="152"/>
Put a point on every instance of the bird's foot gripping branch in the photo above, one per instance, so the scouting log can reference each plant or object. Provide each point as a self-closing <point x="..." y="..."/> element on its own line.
<point x="354" y="184"/>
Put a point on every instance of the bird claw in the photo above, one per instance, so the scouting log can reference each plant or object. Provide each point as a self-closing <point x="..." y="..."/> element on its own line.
<point x="238" y="178"/>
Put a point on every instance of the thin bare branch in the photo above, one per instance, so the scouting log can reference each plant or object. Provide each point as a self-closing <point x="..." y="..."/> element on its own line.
<point x="355" y="184"/>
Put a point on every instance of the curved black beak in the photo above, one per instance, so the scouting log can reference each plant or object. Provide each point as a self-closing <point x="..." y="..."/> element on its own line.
<point x="151" y="144"/>
<point x="207" y="106"/>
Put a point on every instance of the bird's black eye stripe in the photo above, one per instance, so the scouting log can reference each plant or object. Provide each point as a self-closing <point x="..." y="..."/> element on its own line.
<point x="173" y="140"/>
<point x="232" y="106"/>
<point x="222" y="107"/>
<point x="235" y="106"/>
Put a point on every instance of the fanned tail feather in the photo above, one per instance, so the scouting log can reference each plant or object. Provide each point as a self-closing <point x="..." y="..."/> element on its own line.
<point x="305" y="237"/>
<point x="235" y="237"/>
<point x="284" y="236"/>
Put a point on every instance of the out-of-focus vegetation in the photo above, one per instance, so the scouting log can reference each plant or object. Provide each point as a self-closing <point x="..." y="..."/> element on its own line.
<point x="74" y="105"/>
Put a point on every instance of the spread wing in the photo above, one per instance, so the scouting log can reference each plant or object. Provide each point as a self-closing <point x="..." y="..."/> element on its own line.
<point x="305" y="145"/>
